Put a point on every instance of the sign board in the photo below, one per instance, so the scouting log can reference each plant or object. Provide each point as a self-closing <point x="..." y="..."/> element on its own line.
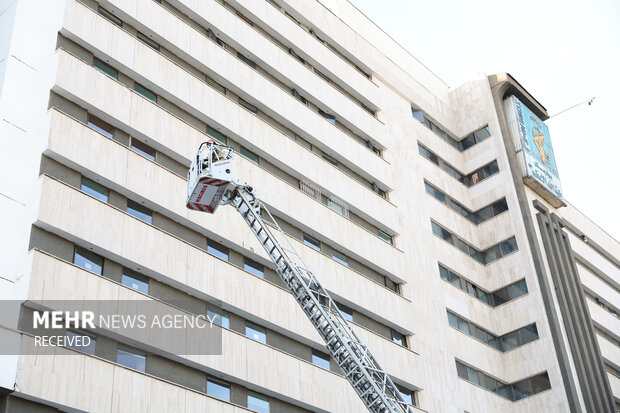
<point x="533" y="146"/>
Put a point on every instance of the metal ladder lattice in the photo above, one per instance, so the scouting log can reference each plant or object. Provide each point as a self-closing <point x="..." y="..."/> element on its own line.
<point x="370" y="381"/>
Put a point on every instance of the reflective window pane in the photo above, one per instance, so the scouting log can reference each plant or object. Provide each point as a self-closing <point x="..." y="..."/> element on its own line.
<point x="132" y="358"/>
<point x="254" y="268"/>
<point x="218" y="316"/>
<point x="258" y="402"/>
<point x="218" y="389"/>
<point x="100" y="126"/>
<point x="94" y="189"/>
<point x="134" y="280"/>
<point x="80" y="342"/>
<point x="147" y="93"/>
<point x="139" y="211"/>
<point x="473" y="376"/>
<point x="143" y="149"/>
<point x="453" y="320"/>
<point x="320" y="359"/>
<point x="255" y="332"/>
<point x="88" y="260"/>
<point x="311" y="242"/>
<point x="217" y="250"/>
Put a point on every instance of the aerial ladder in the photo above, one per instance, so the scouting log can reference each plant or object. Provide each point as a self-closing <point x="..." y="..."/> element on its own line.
<point x="210" y="184"/>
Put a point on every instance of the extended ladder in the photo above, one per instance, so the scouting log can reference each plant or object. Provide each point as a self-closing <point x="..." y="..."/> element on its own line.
<point x="359" y="366"/>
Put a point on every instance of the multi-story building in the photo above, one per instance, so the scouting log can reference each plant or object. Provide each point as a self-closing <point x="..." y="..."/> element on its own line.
<point x="477" y="289"/>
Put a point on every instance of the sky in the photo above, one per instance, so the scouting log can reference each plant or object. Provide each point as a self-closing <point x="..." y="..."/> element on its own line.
<point x="562" y="52"/>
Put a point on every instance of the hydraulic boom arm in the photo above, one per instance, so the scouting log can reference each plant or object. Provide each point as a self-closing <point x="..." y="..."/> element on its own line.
<point x="210" y="184"/>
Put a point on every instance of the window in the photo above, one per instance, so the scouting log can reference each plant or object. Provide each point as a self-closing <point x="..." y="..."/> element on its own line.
<point x="378" y="190"/>
<point x="147" y="93"/>
<point x="105" y="68"/>
<point x="215" y="85"/>
<point x="338" y="206"/>
<point x="385" y="236"/>
<point x="143" y="149"/>
<point x="321" y="75"/>
<point x="320" y="359"/>
<point x="139" y="211"/>
<point x="248" y="106"/>
<point x="217" y="250"/>
<point x="134" y="280"/>
<point x="213" y="37"/>
<point x="296" y="56"/>
<point x="258" y="402"/>
<point x="254" y="267"/>
<point x="453" y="320"/>
<point x="148" y="41"/>
<point x="312" y="242"/>
<point x="218" y="389"/>
<point x="390" y="284"/>
<point x="80" y="342"/>
<point x="246" y="60"/>
<point x="132" y="358"/>
<point x="100" y="126"/>
<point x="255" y="332"/>
<point x="345" y="312"/>
<point x="221" y="138"/>
<point x="218" y="316"/>
<point x="94" y="189"/>
<point x="407" y="395"/>
<point x="110" y="17"/>
<point x="88" y="260"/>
<point x="330" y="118"/>
<point x="249" y="155"/>
<point x="330" y="160"/>
<point x="341" y="258"/>
<point x="399" y="339"/>
<point x="310" y="190"/>
<point x="299" y="97"/>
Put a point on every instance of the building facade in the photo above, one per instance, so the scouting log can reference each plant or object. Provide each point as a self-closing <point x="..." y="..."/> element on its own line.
<point x="476" y="289"/>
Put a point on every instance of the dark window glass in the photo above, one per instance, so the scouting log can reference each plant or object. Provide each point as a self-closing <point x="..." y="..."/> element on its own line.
<point x="299" y="97"/>
<point x="80" y="342"/>
<point x="218" y="389"/>
<point x="399" y="338"/>
<point x="110" y="17"/>
<point x="105" y="68"/>
<point x="345" y="312"/>
<point x="461" y="370"/>
<point x="255" y="332"/>
<point x="212" y="133"/>
<point x="88" y="260"/>
<point x="468" y="142"/>
<point x="217" y="250"/>
<point x="491" y="254"/>
<point x="147" y="93"/>
<point x="213" y="37"/>
<point x="246" y="153"/>
<point x="321" y="75"/>
<point x="215" y="85"/>
<point x="508" y="246"/>
<point x="495" y="342"/>
<point x="341" y="258"/>
<point x="453" y="320"/>
<point x="444" y="273"/>
<point x="296" y="56"/>
<point x="463" y="326"/>
<point x="320" y="359"/>
<point x="491" y="169"/>
<point x="134" y="280"/>
<point x="330" y="160"/>
<point x="385" y="236"/>
<point x="329" y="117"/>
<point x="143" y="149"/>
<point x="311" y="242"/>
<point x="478" y="333"/>
<point x="248" y="106"/>
<point x="407" y="395"/>
<point x="499" y="207"/>
<point x="529" y="334"/>
<point x="218" y="316"/>
<point x="139" y="211"/>
<point x="148" y="41"/>
<point x="254" y="267"/>
<point x="418" y="114"/>
<point x="473" y="376"/>
<point x="482" y="134"/>
<point x="132" y="358"/>
<point x="439" y="195"/>
<point x="510" y="340"/>
<point x="505" y="390"/>
<point x="489" y="383"/>
<point x="484" y="214"/>
<point x="540" y="383"/>
<point x="462" y="245"/>
<point x="94" y="189"/>
<point x="100" y="126"/>
<point x="483" y="296"/>
<point x="522" y="389"/>
<point x="246" y="60"/>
